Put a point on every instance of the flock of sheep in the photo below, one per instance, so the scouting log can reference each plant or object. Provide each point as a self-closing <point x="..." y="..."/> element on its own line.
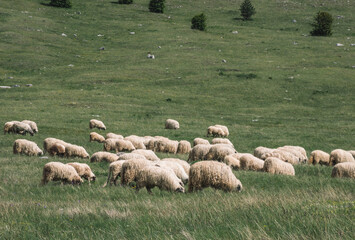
<point x="135" y="159"/>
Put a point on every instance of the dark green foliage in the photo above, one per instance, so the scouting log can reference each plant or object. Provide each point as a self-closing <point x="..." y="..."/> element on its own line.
<point x="61" y="3"/>
<point x="322" y="25"/>
<point x="199" y="22"/>
<point x="125" y="1"/>
<point x="157" y="6"/>
<point x="247" y="10"/>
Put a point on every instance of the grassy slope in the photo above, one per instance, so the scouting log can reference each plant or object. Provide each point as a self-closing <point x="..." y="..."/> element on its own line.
<point x="129" y="92"/>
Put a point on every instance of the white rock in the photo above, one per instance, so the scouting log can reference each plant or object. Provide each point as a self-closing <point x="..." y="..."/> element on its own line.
<point x="64" y="35"/>
<point x="235" y="32"/>
<point x="5" y="87"/>
<point x="340" y="45"/>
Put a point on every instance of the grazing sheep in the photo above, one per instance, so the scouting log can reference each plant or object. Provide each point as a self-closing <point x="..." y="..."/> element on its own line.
<point x="97" y="124"/>
<point x="104" y="157"/>
<point x="225" y="130"/>
<point x="284" y="156"/>
<point x="114" y="171"/>
<point x="172" y="124"/>
<point x="49" y="142"/>
<point x="148" y="154"/>
<point x="23" y="146"/>
<point x="32" y="124"/>
<point x="219" y="152"/>
<point x="250" y="162"/>
<point x="183" y="163"/>
<point x="155" y="176"/>
<point x="57" y="171"/>
<point x="352" y="152"/>
<point x="319" y="157"/>
<point x="294" y="151"/>
<point x="136" y="141"/>
<point x="128" y="156"/>
<point x="131" y="168"/>
<point x="8" y="127"/>
<point x="340" y="156"/>
<point x="110" y="144"/>
<point x="222" y="141"/>
<point x="113" y="135"/>
<point x="201" y="141"/>
<point x="199" y="152"/>
<point x="72" y="150"/>
<point x="233" y="160"/>
<point x="146" y="140"/>
<point x="152" y="144"/>
<point x="57" y="149"/>
<point x="168" y="146"/>
<point x="260" y="152"/>
<point x="276" y="166"/>
<point x="344" y="169"/>
<point x="96" y="137"/>
<point x="213" y="174"/>
<point x="118" y="145"/>
<point x="83" y="170"/>
<point x="177" y="168"/>
<point x="22" y="128"/>
<point x="184" y="147"/>
<point x="215" y="131"/>
<point x="299" y="149"/>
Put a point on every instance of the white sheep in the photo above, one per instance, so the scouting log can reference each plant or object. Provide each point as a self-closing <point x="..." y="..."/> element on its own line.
<point x="72" y="150"/>
<point x="260" y="152"/>
<point x="319" y="157"/>
<point x="221" y="141"/>
<point x="113" y="135"/>
<point x="344" y="169"/>
<point x="148" y="154"/>
<point x="184" y="147"/>
<point x="57" y="171"/>
<point x="177" y="168"/>
<point x="219" y="152"/>
<point x="131" y="168"/>
<point x="172" y="124"/>
<point x="200" y="141"/>
<point x="301" y="158"/>
<point x="128" y="156"/>
<point x="276" y="166"/>
<point x="8" y="127"/>
<point x="215" y="131"/>
<point x="57" y="149"/>
<point x="49" y="142"/>
<point x="233" y="160"/>
<point x="23" y="146"/>
<point x="152" y="145"/>
<point x="285" y="156"/>
<point x="95" y="137"/>
<point x="32" y="124"/>
<point x="300" y="149"/>
<point x="83" y="170"/>
<point x="22" y="128"/>
<point x="118" y="145"/>
<point x="250" y="162"/>
<point x="352" y="152"/>
<point x="225" y="130"/>
<point x="104" y="157"/>
<point x="199" y="152"/>
<point x="155" y="176"/>
<point x="339" y="156"/>
<point x="97" y="124"/>
<point x="167" y="146"/>
<point x="183" y="163"/>
<point x="114" y="171"/>
<point x="136" y="141"/>
<point x="213" y="174"/>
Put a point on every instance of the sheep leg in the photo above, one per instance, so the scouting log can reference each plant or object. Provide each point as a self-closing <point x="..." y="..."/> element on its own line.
<point x="149" y="190"/>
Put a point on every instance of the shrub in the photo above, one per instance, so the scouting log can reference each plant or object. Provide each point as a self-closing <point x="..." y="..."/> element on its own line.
<point x="157" y="6"/>
<point x="199" y="22"/>
<point x="322" y="25"/>
<point x="61" y="3"/>
<point x="125" y="1"/>
<point x="247" y="10"/>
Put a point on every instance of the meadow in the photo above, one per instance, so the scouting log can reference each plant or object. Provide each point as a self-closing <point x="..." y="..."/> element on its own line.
<point x="277" y="86"/>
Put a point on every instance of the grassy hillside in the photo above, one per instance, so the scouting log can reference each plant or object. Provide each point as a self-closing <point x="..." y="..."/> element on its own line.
<point x="278" y="86"/>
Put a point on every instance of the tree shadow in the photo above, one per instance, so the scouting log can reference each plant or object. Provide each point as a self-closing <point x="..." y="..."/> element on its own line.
<point x="115" y="2"/>
<point x="46" y="4"/>
<point x="242" y="19"/>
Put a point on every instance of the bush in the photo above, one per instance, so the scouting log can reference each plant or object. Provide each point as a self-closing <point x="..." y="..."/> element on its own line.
<point x="322" y="25"/>
<point x="125" y="1"/>
<point x="157" y="6"/>
<point x="199" y="22"/>
<point x="247" y="10"/>
<point x="61" y="3"/>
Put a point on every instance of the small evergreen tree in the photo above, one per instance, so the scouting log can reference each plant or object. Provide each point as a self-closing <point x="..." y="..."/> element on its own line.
<point x="157" y="6"/>
<point x="61" y="3"/>
<point x="322" y="25"/>
<point x="125" y="1"/>
<point x="247" y="10"/>
<point x="199" y="22"/>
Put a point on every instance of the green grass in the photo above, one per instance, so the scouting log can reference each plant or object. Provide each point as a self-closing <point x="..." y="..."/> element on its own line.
<point x="279" y="86"/>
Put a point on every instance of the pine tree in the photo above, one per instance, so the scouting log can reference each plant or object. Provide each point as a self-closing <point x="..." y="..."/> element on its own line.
<point x="247" y="10"/>
<point x="322" y="25"/>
